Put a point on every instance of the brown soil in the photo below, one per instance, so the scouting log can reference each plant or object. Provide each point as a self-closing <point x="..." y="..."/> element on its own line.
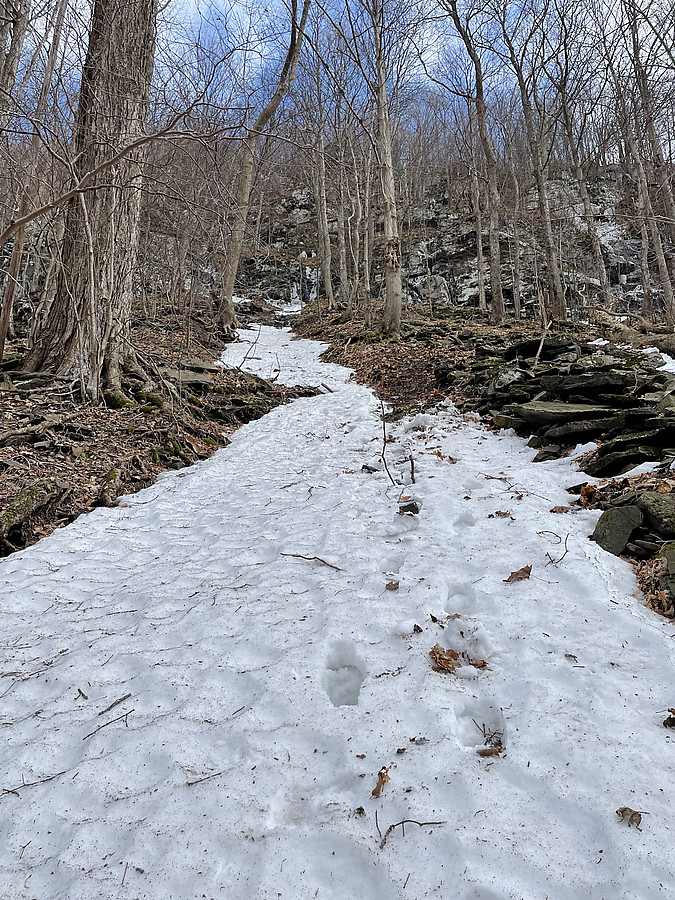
<point x="403" y="372"/>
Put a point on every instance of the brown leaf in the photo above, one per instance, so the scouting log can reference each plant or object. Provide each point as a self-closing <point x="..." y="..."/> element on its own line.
<point x="360" y="755"/>
<point x="520" y="575"/>
<point x="489" y="751"/>
<point x="478" y="663"/>
<point x="503" y="514"/>
<point x="392" y="585"/>
<point x="417" y="629"/>
<point x="382" y="779"/>
<point x="444" y="660"/>
<point x="560" y="509"/>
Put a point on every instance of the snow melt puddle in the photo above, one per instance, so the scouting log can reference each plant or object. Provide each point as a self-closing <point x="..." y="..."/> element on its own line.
<point x="201" y="686"/>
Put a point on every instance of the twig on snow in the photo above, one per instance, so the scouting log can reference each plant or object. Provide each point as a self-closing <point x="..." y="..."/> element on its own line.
<point x="311" y="558"/>
<point x="114" y="704"/>
<point x="403" y="823"/>
<point x="249" y="351"/>
<point x="205" y="778"/>
<point x="105" y="724"/>
<point x="26" y="784"/>
<point x="555" y="562"/>
<point x="383" y="455"/>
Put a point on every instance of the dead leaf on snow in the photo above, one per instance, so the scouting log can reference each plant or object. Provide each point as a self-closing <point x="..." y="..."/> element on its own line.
<point x="444" y="660"/>
<point x="478" y="663"/>
<point x="519" y="575"/>
<point x="561" y="509"/>
<point x="382" y="779"/>
<point x="392" y="585"/>
<point x="489" y="751"/>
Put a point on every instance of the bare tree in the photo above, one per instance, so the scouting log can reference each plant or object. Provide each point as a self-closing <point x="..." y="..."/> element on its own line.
<point x="522" y="33"/>
<point x="244" y="181"/>
<point x="463" y="22"/>
<point x="87" y="330"/>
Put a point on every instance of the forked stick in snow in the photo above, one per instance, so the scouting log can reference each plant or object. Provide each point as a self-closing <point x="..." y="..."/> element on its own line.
<point x="249" y="351"/>
<point x="26" y="784"/>
<point x="383" y="455"/>
<point x="403" y="823"/>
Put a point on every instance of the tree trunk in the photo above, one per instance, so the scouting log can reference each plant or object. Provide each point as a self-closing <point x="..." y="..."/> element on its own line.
<point x="325" y="251"/>
<point x="345" y="286"/>
<point x="647" y="303"/>
<point x="391" y="258"/>
<point x="368" y="244"/>
<point x="480" y="261"/>
<point x="20" y="236"/>
<point x="87" y="331"/>
<point x="14" y="15"/>
<point x="516" y="242"/>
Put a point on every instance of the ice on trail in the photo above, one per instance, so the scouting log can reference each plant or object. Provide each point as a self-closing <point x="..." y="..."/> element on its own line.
<point x="200" y="686"/>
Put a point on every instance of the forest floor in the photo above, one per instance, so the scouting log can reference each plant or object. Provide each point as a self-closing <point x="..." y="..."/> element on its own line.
<point x="403" y="372"/>
<point x="295" y="670"/>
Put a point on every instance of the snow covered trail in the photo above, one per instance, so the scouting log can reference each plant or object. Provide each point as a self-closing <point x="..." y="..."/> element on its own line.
<point x="212" y="675"/>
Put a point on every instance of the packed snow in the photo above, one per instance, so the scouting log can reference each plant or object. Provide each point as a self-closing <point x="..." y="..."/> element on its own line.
<point x="201" y="686"/>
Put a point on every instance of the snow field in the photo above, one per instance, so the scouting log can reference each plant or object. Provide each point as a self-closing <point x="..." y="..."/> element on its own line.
<point x="267" y="690"/>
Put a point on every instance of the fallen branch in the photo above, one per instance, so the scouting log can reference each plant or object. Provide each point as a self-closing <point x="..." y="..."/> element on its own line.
<point x="26" y="784"/>
<point x="25" y="435"/>
<point x="25" y="504"/>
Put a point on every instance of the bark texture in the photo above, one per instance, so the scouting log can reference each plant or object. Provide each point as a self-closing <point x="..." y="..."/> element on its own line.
<point x="86" y="332"/>
<point x="14" y="15"/>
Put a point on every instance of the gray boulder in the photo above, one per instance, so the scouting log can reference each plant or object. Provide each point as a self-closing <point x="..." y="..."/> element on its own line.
<point x="615" y="527"/>
<point x="659" y="511"/>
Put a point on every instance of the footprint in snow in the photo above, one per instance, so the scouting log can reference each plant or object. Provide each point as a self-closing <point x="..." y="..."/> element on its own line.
<point x="480" y="723"/>
<point x="460" y="598"/>
<point x="344" y="673"/>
